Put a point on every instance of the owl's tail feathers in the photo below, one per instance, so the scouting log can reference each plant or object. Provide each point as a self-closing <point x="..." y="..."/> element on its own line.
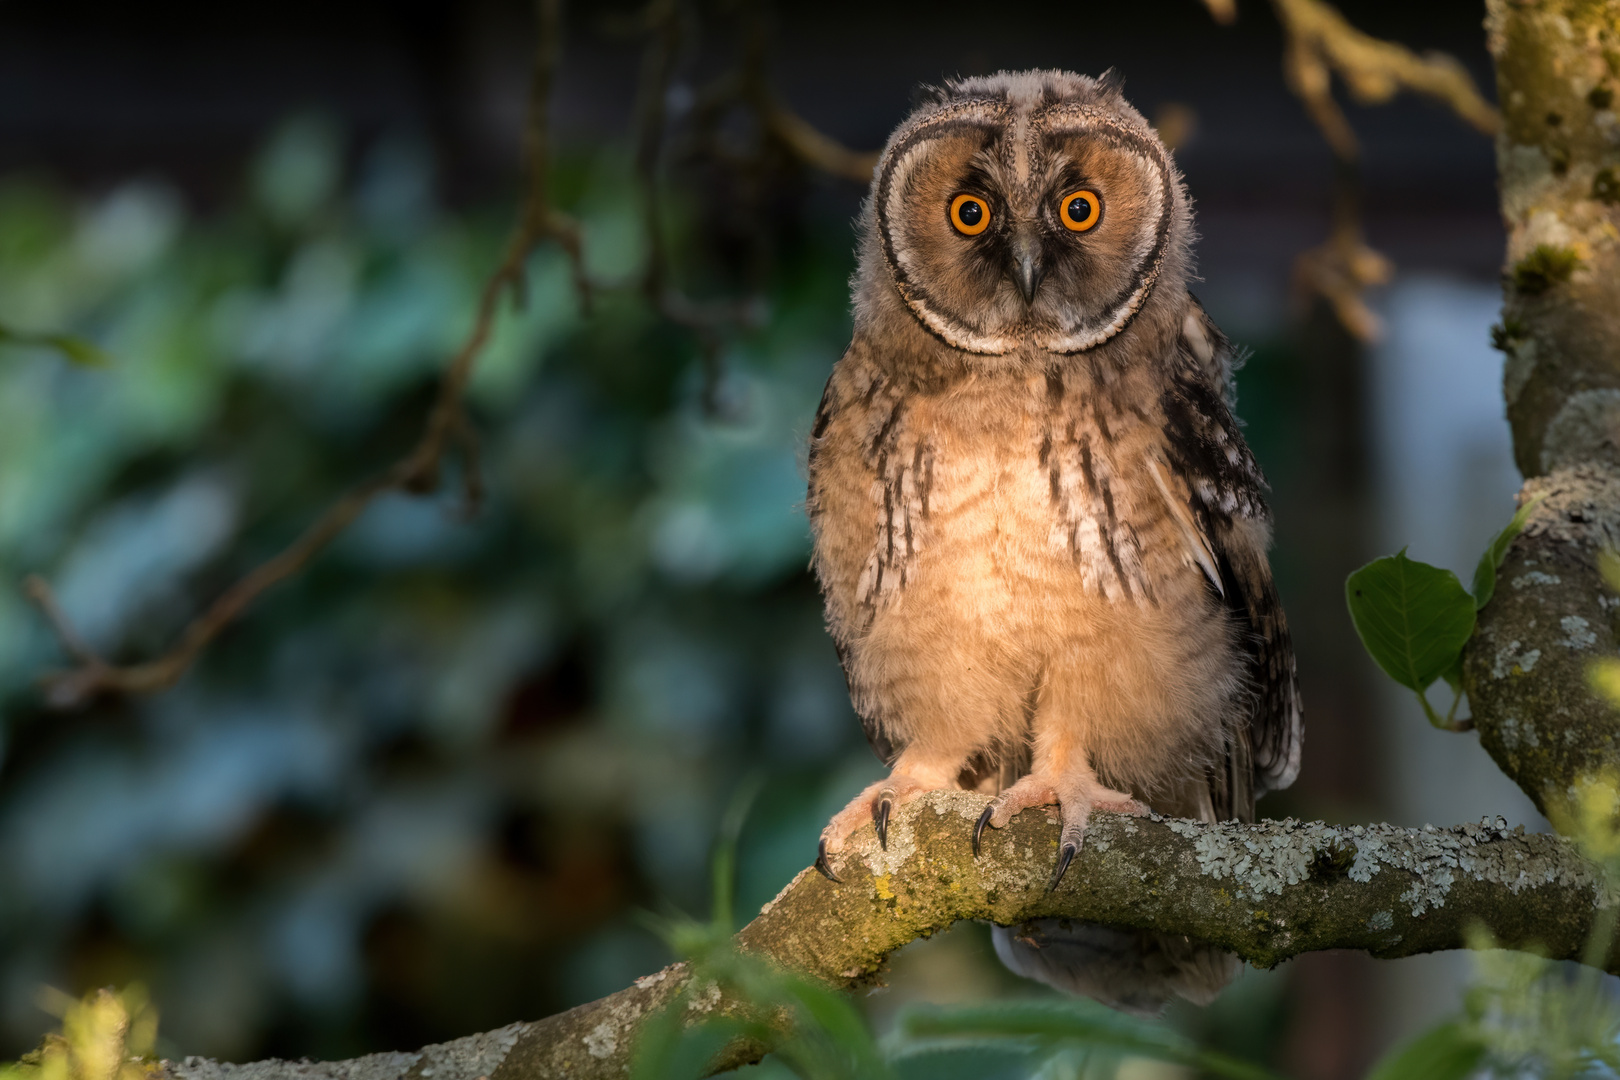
<point x="1135" y="971"/>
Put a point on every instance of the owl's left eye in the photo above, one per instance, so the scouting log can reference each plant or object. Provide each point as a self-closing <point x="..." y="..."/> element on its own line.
<point x="970" y="215"/>
<point x="1080" y="210"/>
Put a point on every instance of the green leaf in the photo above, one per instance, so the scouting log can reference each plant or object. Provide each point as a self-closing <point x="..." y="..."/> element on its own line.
<point x="832" y="1015"/>
<point x="1413" y="618"/>
<point x="988" y="1059"/>
<point x="1496" y="551"/>
<point x="74" y="349"/>
<point x="1080" y="1023"/>
<point x="1448" y="1052"/>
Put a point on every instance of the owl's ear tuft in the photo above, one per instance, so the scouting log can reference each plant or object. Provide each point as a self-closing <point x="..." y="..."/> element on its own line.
<point x="930" y="94"/>
<point x="1110" y="84"/>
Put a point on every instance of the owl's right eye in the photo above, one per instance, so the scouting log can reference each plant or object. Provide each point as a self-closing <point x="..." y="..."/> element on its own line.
<point x="970" y="214"/>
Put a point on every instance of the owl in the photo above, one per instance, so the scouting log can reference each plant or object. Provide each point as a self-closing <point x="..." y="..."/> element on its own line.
<point x="1040" y="536"/>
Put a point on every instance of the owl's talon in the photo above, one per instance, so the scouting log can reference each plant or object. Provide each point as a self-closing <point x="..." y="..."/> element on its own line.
<point x="823" y="865"/>
<point x="1065" y="857"/>
<point x="978" y="827"/>
<point x="880" y="818"/>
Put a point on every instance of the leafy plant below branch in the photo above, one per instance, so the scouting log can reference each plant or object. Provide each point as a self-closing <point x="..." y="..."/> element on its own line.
<point x="1414" y="618"/>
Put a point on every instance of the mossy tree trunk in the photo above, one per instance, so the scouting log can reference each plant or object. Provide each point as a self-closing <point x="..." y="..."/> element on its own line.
<point x="1558" y="73"/>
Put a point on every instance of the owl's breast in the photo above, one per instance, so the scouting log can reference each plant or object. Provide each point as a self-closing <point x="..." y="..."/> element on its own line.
<point x="1036" y="508"/>
<point x="987" y="503"/>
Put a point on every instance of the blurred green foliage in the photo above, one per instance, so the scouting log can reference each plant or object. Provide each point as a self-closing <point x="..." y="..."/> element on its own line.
<point x="415" y="792"/>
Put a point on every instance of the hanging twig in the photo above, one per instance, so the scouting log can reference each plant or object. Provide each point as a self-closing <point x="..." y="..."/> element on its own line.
<point x="1320" y="43"/>
<point x="418" y="472"/>
<point x="707" y="320"/>
<point x="1342" y="268"/>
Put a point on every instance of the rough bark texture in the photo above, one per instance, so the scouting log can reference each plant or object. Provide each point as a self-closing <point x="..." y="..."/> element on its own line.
<point x="1267" y="892"/>
<point x="1559" y="158"/>
<point x="1558" y="153"/>
<point x="1551" y="616"/>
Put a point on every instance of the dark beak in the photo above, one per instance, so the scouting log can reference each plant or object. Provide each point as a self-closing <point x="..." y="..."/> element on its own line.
<point x="1026" y="267"/>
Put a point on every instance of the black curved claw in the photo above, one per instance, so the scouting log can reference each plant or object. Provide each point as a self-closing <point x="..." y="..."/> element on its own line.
<point x="978" y="827"/>
<point x="880" y="818"/>
<point x="822" y="864"/>
<point x="1065" y="857"/>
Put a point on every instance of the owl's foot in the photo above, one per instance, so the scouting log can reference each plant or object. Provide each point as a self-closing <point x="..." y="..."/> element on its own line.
<point x="876" y="804"/>
<point x="1075" y="801"/>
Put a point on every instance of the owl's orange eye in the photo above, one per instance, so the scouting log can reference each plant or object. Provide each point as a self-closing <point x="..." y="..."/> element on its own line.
<point x="1081" y="210"/>
<point x="970" y="214"/>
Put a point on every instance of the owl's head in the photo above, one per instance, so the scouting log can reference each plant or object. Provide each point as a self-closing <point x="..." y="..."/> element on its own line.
<point x="1027" y="209"/>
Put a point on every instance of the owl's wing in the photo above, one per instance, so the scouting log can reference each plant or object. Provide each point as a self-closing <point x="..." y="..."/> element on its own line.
<point x="831" y="402"/>
<point x="1231" y="526"/>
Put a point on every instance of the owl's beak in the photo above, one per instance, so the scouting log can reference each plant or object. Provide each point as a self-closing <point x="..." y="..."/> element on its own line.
<point x="1027" y="270"/>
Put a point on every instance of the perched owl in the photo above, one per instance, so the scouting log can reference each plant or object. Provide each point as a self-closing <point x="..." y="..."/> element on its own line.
<point x="1040" y="535"/>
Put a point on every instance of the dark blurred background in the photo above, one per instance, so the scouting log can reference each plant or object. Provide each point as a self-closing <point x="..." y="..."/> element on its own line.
<point x="425" y="788"/>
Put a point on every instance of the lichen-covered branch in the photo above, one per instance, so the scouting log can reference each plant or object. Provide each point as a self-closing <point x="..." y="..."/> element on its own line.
<point x="1551" y="615"/>
<point x="1558" y="153"/>
<point x="1559" y="159"/>
<point x="1267" y="892"/>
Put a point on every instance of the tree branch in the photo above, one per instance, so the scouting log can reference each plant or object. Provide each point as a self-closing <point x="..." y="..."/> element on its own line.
<point x="1552" y="615"/>
<point x="819" y="150"/>
<point x="1267" y="892"/>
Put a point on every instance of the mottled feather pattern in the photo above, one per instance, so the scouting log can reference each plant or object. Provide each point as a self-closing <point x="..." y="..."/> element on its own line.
<point x="902" y="467"/>
<point x="1094" y="498"/>
<point x="1205" y="448"/>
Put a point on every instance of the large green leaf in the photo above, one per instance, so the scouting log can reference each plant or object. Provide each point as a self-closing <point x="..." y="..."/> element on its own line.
<point x="1448" y="1052"/>
<point x="961" y="1059"/>
<point x="1077" y="1023"/>
<point x="1485" y="572"/>
<point x="1413" y="618"/>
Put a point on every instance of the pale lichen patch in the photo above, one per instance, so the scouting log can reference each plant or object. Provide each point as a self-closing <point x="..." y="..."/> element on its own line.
<point x="1262" y="859"/>
<point x="706" y="1000"/>
<point x="1510" y="661"/>
<point x="1577" y="633"/>
<point x="602" y="1040"/>
<point x="647" y="982"/>
<point x="1514" y="731"/>
<point x="1535" y="577"/>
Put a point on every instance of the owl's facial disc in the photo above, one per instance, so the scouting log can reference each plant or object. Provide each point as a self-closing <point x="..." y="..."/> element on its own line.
<point x="1046" y="229"/>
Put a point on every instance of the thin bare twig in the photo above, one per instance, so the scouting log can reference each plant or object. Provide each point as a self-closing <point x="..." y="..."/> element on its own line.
<point x="1322" y="43"/>
<point x="705" y="319"/>
<point x="1319" y="44"/>
<point x="818" y="150"/>
<point x="418" y="472"/>
<point x="1342" y="268"/>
